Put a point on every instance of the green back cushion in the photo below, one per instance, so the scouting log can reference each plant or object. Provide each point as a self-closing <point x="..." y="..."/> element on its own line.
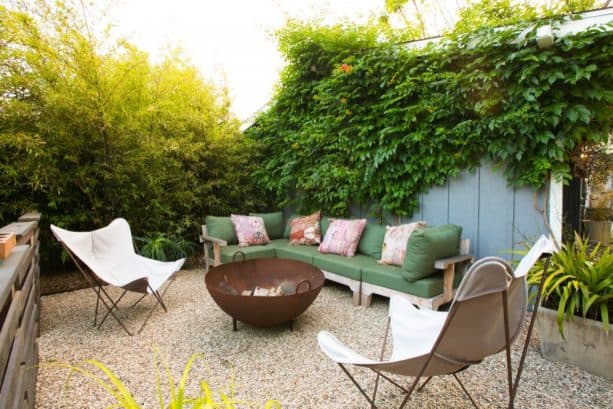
<point x="427" y="245"/>
<point x="324" y="223"/>
<point x="221" y="228"/>
<point x="273" y="223"/>
<point x="288" y="226"/>
<point x="371" y="241"/>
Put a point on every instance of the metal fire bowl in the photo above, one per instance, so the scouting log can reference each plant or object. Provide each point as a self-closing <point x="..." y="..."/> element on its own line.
<point x="264" y="272"/>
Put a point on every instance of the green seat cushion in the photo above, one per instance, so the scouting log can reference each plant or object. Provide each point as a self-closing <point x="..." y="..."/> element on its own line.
<point x="251" y="252"/>
<point x="427" y="245"/>
<point x="300" y="253"/>
<point x="371" y="241"/>
<point x="273" y="223"/>
<point x="350" y="267"/>
<point x="277" y="243"/>
<point x="392" y="277"/>
<point x="221" y="228"/>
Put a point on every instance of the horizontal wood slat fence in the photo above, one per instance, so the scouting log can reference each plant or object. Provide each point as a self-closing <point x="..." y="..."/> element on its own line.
<point x="20" y="315"/>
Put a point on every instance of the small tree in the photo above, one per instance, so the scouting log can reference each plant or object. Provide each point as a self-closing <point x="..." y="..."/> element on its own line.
<point x="91" y="130"/>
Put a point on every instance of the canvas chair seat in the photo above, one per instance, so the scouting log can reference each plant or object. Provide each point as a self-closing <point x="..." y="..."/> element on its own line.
<point x="106" y="256"/>
<point x="485" y="317"/>
<point x="421" y="326"/>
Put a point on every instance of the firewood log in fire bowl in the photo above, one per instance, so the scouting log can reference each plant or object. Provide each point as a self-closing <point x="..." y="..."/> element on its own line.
<point x="298" y="283"/>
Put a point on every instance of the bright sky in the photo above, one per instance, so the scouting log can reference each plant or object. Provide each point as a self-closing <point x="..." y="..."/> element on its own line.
<point x="230" y="41"/>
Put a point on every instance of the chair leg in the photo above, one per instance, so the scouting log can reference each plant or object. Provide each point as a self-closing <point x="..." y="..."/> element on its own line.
<point x="465" y="391"/>
<point x="97" y="303"/>
<point x="372" y="403"/>
<point x="112" y="307"/>
<point x="158" y="297"/>
<point x="390" y="380"/>
<point x="507" y="337"/>
<point x="100" y="292"/>
<point x="537" y="302"/>
<point x="374" y="394"/>
<point x="138" y="301"/>
<point x="430" y="356"/>
<point x="410" y="391"/>
<point x="423" y="385"/>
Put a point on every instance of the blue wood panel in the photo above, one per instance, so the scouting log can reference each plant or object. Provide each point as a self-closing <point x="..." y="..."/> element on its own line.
<point x="495" y="217"/>
<point x="418" y="213"/>
<point x="464" y="206"/>
<point x="355" y="211"/>
<point x="496" y="214"/>
<point x="529" y="223"/>
<point x="436" y="205"/>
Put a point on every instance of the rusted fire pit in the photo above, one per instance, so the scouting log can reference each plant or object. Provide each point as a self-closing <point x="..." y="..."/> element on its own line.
<point x="291" y="287"/>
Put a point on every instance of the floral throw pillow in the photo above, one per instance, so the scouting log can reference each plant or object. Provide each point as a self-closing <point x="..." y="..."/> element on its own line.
<point x="342" y="237"/>
<point x="249" y="230"/>
<point x="395" y="242"/>
<point x="305" y="230"/>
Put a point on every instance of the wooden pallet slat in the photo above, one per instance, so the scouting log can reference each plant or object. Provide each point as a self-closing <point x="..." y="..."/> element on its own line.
<point x="20" y="314"/>
<point x="7" y="333"/>
<point x="23" y="230"/>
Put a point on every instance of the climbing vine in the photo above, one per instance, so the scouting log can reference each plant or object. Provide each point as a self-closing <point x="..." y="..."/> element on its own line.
<point x="357" y="119"/>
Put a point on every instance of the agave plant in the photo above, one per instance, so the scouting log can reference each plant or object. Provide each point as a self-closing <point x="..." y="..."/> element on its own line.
<point x="161" y="247"/>
<point x="123" y="398"/>
<point x="579" y="282"/>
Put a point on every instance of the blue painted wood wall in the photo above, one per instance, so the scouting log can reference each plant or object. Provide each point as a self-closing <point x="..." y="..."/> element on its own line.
<point x="495" y="217"/>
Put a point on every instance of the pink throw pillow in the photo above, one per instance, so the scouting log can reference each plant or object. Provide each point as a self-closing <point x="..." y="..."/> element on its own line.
<point x="249" y="230"/>
<point x="395" y="242"/>
<point x="305" y="230"/>
<point x="342" y="237"/>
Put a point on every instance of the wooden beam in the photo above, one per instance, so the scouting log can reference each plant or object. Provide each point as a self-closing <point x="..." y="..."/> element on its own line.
<point x="23" y="230"/>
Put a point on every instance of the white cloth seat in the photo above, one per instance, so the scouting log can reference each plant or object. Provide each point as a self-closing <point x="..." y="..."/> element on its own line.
<point x="107" y="256"/>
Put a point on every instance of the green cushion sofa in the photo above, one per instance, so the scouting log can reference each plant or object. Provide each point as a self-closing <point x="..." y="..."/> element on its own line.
<point x="432" y="269"/>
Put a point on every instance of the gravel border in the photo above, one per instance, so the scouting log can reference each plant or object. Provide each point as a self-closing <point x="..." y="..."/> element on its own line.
<point x="271" y="363"/>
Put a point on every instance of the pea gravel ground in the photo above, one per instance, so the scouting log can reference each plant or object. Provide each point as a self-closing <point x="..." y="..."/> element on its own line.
<point x="269" y="363"/>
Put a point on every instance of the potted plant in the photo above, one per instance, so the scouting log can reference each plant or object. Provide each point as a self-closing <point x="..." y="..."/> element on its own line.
<point x="598" y="218"/>
<point x="573" y="321"/>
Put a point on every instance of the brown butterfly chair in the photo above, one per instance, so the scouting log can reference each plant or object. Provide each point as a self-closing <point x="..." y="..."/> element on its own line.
<point x="485" y="317"/>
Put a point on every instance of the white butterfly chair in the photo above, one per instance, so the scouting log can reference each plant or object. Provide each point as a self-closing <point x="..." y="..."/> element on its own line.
<point x="484" y="319"/>
<point x="106" y="257"/>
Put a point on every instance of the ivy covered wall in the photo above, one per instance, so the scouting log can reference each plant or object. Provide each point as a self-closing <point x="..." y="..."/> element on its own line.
<point x="360" y="120"/>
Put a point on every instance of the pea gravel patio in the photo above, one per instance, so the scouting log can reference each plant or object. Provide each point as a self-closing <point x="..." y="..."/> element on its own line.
<point x="270" y="363"/>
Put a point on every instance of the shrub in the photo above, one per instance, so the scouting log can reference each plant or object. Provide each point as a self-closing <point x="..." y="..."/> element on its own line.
<point x="358" y="119"/>
<point x="90" y="130"/>
<point x="579" y="282"/>
<point x="160" y="247"/>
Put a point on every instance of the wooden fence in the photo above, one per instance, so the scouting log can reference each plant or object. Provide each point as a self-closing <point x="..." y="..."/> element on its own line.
<point x="19" y="315"/>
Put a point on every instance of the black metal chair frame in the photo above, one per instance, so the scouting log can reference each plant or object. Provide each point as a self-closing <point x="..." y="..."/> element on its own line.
<point x="513" y="383"/>
<point x="103" y="297"/>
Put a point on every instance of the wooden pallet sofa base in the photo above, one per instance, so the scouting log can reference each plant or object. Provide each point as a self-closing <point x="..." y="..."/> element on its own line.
<point x="354" y="285"/>
<point x="218" y="251"/>
<point x="451" y="279"/>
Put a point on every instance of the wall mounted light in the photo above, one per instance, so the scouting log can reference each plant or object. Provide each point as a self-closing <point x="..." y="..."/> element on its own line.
<point x="544" y="36"/>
